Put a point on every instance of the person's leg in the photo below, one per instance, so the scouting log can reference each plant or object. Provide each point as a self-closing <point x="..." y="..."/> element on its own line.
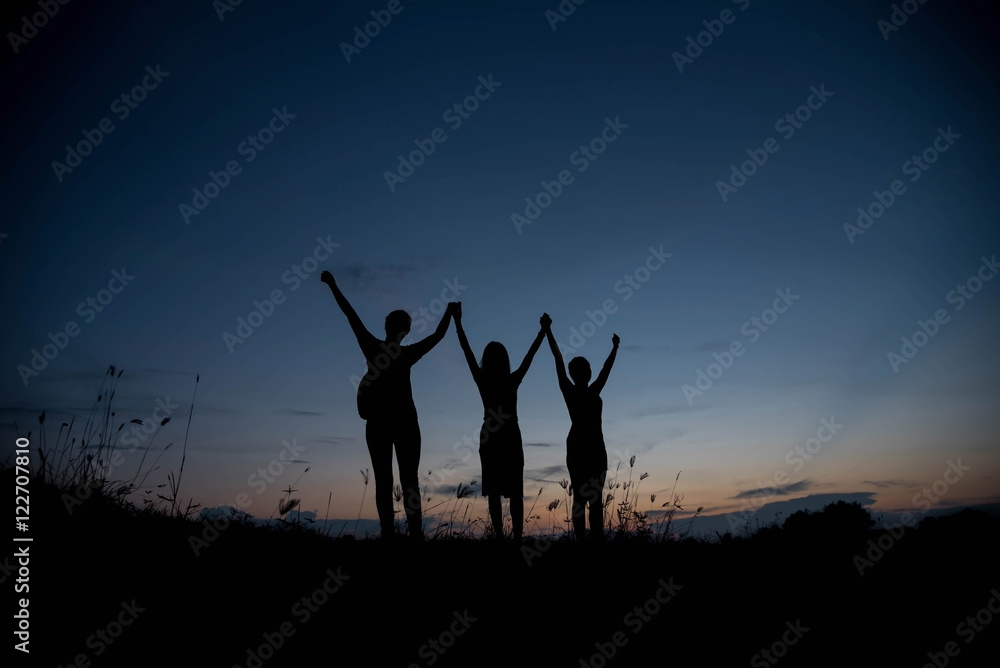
<point x="407" y="441"/>
<point x="516" y="482"/>
<point x="597" y="506"/>
<point x="496" y="515"/>
<point x="379" y="441"/>
<point x="579" y="505"/>
<point x="517" y="515"/>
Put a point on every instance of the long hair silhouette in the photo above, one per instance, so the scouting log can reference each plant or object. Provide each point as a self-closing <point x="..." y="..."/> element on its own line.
<point x="501" y="451"/>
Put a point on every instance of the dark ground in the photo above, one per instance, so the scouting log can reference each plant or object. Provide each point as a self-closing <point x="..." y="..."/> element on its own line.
<point x="730" y="600"/>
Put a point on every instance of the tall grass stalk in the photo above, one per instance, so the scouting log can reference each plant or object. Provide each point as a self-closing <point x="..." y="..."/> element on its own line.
<point x="364" y="475"/>
<point x="175" y="487"/>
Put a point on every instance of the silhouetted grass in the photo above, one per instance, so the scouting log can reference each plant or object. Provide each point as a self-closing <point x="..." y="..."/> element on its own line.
<point x="84" y="464"/>
<point x="737" y="591"/>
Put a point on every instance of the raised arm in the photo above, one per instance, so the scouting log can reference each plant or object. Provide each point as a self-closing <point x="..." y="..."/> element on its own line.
<point x="464" y="341"/>
<point x="424" y="346"/>
<point x="602" y="377"/>
<point x="564" y="383"/>
<point x="526" y="363"/>
<point x="360" y="331"/>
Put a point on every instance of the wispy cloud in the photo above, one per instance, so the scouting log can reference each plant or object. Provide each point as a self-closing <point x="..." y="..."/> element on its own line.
<point x="712" y="346"/>
<point x="783" y="490"/>
<point x="546" y="473"/>
<point x="336" y="440"/>
<point x="376" y="272"/>
<point x="668" y="410"/>
<point x="145" y="373"/>
<point x="882" y="484"/>
<point x="648" y="349"/>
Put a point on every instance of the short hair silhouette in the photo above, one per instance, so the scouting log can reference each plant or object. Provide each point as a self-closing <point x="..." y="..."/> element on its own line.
<point x="586" y="452"/>
<point x="385" y="402"/>
<point x="579" y="370"/>
<point x="396" y="323"/>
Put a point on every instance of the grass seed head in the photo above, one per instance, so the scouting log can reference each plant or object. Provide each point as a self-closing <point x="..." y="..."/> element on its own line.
<point x="288" y="506"/>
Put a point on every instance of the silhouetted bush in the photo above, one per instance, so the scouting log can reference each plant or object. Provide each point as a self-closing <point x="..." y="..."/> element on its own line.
<point x="838" y="522"/>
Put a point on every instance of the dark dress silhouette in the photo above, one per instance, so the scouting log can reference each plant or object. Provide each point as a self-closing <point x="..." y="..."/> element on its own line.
<point x="385" y="401"/>
<point x="586" y="455"/>
<point x="501" y="451"/>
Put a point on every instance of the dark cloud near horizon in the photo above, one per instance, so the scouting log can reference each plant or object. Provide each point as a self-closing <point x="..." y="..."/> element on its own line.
<point x="882" y="484"/>
<point x="544" y="474"/>
<point x="336" y="440"/>
<point x="782" y="490"/>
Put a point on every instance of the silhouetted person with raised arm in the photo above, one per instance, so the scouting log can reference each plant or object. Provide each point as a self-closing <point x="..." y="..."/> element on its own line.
<point x="586" y="456"/>
<point x="501" y="451"/>
<point x="385" y="401"/>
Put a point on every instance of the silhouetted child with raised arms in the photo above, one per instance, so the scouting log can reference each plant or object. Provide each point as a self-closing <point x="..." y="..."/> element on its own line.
<point x="500" y="447"/>
<point x="586" y="456"/>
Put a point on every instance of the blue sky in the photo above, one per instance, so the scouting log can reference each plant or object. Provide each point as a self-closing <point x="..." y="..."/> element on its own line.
<point x="318" y="189"/>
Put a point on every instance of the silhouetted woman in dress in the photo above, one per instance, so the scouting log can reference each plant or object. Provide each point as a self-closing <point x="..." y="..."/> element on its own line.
<point x="586" y="456"/>
<point x="500" y="447"/>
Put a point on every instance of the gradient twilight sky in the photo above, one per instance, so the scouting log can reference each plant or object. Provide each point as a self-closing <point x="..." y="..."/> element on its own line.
<point x="655" y="186"/>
